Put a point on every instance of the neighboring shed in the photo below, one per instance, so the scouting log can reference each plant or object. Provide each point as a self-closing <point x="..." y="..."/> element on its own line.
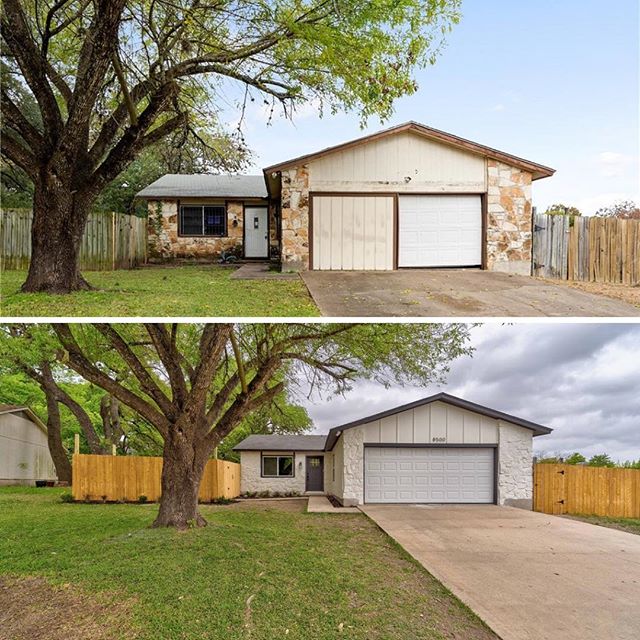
<point x="24" y="452"/>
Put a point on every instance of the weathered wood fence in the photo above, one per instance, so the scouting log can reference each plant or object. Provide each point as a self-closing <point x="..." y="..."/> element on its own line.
<point x="110" y="241"/>
<point x="126" y="478"/>
<point x="587" y="249"/>
<point x="581" y="490"/>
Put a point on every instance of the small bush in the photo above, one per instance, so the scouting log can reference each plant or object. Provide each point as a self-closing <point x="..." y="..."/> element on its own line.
<point x="143" y="499"/>
<point x="67" y="496"/>
<point x="222" y="501"/>
<point x="276" y="494"/>
<point x="264" y="494"/>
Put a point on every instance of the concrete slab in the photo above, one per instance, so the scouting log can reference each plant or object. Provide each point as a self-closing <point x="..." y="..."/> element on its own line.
<point x="528" y="575"/>
<point x="261" y="271"/>
<point x="452" y="292"/>
<point x="321" y="504"/>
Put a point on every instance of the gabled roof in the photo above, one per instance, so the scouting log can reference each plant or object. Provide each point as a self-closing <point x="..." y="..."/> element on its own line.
<point x="177" y="185"/>
<point x="281" y="443"/>
<point x="14" y="408"/>
<point x="538" y="429"/>
<point x="538" y="170"/>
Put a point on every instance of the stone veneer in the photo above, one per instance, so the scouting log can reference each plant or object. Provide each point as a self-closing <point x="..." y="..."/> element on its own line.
<point x="509" y="232"/>
<point x="353" y="478"/>
<point x="515" y="466"/>
<point x="295" y="218"/>
<point x="165" y="243"/>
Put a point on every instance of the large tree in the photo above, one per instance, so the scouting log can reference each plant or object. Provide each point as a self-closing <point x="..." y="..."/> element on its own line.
<point x="197" y="383"/>
<point x="113" y="77"/>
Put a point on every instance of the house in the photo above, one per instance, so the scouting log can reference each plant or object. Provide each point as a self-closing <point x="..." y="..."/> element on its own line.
<point x="441" y="449"/>
<point x="409" y="196"/>
<point x="24" y="452"/>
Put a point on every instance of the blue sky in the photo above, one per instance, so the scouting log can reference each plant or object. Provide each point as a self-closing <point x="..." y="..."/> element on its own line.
<point x="554" y="81"/>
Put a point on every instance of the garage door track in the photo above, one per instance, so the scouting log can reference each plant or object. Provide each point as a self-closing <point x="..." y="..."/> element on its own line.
<point x="529" y="576"/>
<point x="452" y="292"/>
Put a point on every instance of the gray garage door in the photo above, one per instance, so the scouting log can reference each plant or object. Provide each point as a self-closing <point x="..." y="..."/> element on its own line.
<point x="424" y="475"/>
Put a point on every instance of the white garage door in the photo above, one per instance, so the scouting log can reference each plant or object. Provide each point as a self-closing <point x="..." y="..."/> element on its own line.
<point x="353" y="233"/>
<point x="438" y="475"/>
<point x="440" y="231"/>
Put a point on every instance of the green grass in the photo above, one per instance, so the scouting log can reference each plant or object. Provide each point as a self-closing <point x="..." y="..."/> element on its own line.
<point x="204" y="291"/>
<point x="320" y="576"/>
<point x="631" y="525"/>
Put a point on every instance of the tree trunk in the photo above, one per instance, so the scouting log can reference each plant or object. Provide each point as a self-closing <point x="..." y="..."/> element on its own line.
<point x="54" y="440"/>
<point x="59" y="217"/>
<point x="182" y="468"/>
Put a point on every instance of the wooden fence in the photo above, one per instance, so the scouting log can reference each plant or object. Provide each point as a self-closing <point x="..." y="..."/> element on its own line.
<point x="126" y="478"/>
<point x="580" y="490"/>
<point x="587" y="249"/>
<point x="110" y="241"/>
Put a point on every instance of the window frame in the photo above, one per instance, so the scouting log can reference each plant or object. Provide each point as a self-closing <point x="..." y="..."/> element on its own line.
<point x="291" y="455"/>
<point x="225" y="218"/>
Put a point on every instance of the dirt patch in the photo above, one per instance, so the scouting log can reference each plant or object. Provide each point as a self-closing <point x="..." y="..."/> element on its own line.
<point x="33" y="609"/>
<point x="623" y="292"/>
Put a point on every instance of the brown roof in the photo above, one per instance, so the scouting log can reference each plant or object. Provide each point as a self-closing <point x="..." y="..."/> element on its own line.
<point x="537" y="170"/>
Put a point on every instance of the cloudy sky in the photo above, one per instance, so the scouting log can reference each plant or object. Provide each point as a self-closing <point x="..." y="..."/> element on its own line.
<point x="583" y="380"/>
<point x="555" y="82"/>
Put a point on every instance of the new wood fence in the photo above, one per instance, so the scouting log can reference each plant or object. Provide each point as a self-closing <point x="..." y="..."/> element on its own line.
<point x="126" y="478"/>
<point x="587" y="249"/>
<point x="580" y="490"/>
<point x="110" y="241"/>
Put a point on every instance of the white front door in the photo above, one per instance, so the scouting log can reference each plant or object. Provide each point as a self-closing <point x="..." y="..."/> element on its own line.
<point x="423" y="475"/>
<point x="256" y="232"/>
<point x="440" y="231"/>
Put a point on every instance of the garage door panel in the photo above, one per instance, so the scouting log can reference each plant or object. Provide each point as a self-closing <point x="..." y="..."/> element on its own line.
<point x="353" y="233"/>
<point x="416" y="474"/>
<point x="440" y="231"/>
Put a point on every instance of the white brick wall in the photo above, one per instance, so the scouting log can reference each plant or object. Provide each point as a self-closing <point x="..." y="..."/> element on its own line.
<point x="515" y="459"/>
<point x="251" y="480"/>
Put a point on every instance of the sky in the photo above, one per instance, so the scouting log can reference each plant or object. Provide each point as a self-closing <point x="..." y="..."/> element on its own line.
<point x="582" y="380"/>
<point x="553" y="81"/>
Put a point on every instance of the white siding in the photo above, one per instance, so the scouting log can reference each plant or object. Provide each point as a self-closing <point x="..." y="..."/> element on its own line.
<point x="406" y="162"/>
<point x="24" y="452"/>
<point x="437" y="423"/>
<point x="353" y="233"/>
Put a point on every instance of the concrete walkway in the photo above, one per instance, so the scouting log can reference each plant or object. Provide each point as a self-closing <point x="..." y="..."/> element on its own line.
<point x="321" y="504"/>
<point x="261" y="271"/>
<point x="529" y="576"/>
<point x="452" y="292"/>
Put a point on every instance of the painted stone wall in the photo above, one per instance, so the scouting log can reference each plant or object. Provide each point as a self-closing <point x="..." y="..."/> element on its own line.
<point x="515" y="470"/>
<point x="165" y="243"/>
<point x="509" y="232"/>
<point x="353" y="474"/>
<point x="250" y="479"/>
<point x="295" y="218"/>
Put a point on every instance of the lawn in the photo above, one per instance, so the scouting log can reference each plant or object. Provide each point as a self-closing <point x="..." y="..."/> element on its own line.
<point x="203" y="291"/>
<point x="631" y="525"/>
<point x="260" y="570"/>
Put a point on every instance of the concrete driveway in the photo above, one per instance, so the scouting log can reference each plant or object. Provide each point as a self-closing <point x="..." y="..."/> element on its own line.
<point x="529" y="576"/>
<point x="452" y="292"/>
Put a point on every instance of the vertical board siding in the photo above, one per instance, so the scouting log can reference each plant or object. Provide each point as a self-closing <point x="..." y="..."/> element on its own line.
<point x="580" y="490"/>
<point x="110" y="241"/>
<point x="605" y="250"/>
<point x="126" y="478"/>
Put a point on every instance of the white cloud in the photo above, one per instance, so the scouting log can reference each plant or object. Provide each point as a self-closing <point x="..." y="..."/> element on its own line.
<point x="613" y="164"/>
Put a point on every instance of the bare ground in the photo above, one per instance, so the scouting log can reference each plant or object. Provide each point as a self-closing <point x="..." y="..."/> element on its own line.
<point x="626" y="293"/>
<point x="33" y="609"/>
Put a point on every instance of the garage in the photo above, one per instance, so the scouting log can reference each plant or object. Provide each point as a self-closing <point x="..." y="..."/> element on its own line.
<point x="353" y="232"/>
<point x="440" y="231"/>
<point x="464" y="475"/>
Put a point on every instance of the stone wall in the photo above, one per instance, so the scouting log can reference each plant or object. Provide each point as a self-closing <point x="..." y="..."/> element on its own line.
<point x="515" y="466"/>
<point x="353" y="473"/>
<point x="165" y="243"/>
<point x="509" y="232"/>
<point x="295" y="218"/>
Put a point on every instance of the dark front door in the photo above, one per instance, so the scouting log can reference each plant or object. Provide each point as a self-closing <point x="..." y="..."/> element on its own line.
<point x="315" y="473"/>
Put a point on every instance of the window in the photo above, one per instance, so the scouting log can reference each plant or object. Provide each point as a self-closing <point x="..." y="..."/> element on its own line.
<point x="205" y="220"/>
<point x="277" y="466"/>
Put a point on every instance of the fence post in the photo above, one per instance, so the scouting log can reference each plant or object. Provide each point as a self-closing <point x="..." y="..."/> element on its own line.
<point x="76" y="443"/>
<point x="113" y="449"/>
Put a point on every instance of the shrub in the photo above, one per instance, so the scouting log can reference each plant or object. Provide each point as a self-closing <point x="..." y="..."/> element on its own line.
<point x="67" y="496"/>
<point x="222" y="501"/>
<point x="143" y="499"/>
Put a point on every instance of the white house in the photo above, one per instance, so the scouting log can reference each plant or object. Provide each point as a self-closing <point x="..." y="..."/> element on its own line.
<point x="24" y="452"/>
<point x="440" y="449"/>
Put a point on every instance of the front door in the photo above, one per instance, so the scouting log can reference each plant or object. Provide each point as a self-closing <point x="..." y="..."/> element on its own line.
<point x="256" y="232"/>
<point x="315" y="473"/>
